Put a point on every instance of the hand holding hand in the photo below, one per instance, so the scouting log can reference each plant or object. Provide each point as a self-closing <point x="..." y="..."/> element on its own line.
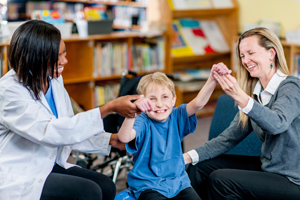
<point x="228" y="83"/>
<point x="221" y="69"/>
<point x="144" y="104"/>
<point x="125" y="105"/>
<point x="115" y="142"/>
<point x="230" y="86"/>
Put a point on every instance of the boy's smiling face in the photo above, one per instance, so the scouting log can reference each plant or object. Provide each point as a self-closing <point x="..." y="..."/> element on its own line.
<point x="163" y="101"/>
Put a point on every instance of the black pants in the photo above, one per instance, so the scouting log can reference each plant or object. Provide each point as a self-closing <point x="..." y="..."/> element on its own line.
<point x="77" y="183"/>
<point x="239" y="177"/>
<point x="186" y="194"/>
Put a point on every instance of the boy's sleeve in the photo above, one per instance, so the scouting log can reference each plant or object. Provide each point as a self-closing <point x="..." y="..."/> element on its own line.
<point x="186" y="124"/>
<point x="139" y="127"/>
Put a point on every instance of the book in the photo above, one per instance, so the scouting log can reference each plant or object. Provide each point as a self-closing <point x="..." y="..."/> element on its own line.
<point x="189" y="4"/>
<point x="76" y="108"/>
<point x="296" y="65"/>
<point x="179" y="45"/>
<point x="199" y="4"/>
<point x="104" y="94"/>
<point x="191" y="74"/>
<point x="50" y="16"/>
<point x="215" y="36"/>
<point x="222" y="3"/>
<point x="197" y="37"/>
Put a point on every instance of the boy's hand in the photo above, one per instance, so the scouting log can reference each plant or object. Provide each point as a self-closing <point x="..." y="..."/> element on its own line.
<point x="187" y="159"/>
<point x="123" y="105"/>
<point x="221" y="69"/>
<point x="144" y="104"/>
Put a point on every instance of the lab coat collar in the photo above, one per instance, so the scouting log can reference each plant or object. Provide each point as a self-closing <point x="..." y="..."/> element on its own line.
<point x="55" y="89"/>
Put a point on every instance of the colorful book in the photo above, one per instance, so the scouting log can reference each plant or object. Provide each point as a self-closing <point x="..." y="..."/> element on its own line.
<point x="50" y="16"/>
<point x="179" y="45"/>
<point x="189" y="4"/>
<point x="197" y="37"/>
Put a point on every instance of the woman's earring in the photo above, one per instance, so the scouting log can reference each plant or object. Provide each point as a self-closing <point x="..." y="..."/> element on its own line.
<point x="271" y="66"/>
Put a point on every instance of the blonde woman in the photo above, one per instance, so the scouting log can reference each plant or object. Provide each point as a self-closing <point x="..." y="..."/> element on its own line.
<point x="269" y="102"/>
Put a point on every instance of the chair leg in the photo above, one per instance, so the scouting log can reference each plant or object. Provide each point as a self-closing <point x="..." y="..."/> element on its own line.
<point x="76" y="157"/>
<point x="117" y="168"/>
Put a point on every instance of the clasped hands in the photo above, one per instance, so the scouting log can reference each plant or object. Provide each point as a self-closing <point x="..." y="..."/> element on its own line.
<point x="228" y="83"/>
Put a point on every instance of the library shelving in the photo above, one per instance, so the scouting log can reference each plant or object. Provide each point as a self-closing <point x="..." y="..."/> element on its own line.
<point x="82" y="76"/>
<point x="79" y="75"/>
<point x="226" y="19"/>
<point x="127" y="14"/>
<point x="82" y="73"/>
<point x="99" y="60"/>
<point x="292" y="52"/>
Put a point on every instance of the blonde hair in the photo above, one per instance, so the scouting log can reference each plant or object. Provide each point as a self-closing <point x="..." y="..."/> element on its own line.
<point x="266" y="39"/>
<point x="157" y="78"/>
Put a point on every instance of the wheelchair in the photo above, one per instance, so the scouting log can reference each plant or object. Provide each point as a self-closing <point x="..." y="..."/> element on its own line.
<point x="118" y="159"/>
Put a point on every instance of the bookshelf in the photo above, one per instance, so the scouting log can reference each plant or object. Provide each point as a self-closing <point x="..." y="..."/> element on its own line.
<point x="292" y="52"/>
<point x="79" y="77"/>
<point x="3" y="56"/>
<point x="226" y="19"/>
<point x="83" y="75"/>
<point x="133" y="18"/>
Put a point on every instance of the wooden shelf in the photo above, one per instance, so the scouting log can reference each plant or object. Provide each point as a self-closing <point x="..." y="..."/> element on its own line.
<point x="112" y="36"/>
<point x="133" y="27"/>
<point x="202" y="13"/>
<point x="78" y="75"/>
<point x="197" y="58"/>
<point x="77" y="80"/>
<point x="226" y="19"/>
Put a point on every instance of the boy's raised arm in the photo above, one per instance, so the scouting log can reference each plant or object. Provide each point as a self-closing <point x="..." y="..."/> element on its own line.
<point x="126" y="132"/>
<point x="204" y="94"/>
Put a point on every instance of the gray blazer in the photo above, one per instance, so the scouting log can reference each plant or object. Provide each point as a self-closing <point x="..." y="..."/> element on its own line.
<point x="278" y="126"/>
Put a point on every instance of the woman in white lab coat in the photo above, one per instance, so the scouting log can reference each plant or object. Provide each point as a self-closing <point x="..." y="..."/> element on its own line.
<point x="38" y="129"/>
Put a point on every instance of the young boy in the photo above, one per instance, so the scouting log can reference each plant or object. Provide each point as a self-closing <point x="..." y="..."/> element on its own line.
<point x="154" y="138"/>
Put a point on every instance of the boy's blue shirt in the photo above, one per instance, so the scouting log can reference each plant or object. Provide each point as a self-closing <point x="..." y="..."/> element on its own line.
<point x="157" y="153"/>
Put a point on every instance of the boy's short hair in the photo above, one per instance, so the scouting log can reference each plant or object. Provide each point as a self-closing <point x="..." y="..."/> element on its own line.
<point x="158" y="78"/>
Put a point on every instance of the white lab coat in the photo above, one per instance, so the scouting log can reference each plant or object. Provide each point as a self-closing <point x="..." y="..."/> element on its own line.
<point x="32" y="138"/>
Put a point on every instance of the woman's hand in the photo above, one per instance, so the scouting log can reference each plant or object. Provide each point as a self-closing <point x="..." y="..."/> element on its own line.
<point x="115" y="142"/>
<point x="230" y="86"/>
<point x="144" y="104"/>
<point x="123" y="105"/>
